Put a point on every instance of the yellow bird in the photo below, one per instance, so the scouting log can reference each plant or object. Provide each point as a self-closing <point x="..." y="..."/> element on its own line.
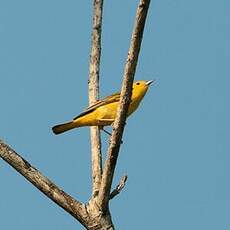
<point x="104" y="111"/>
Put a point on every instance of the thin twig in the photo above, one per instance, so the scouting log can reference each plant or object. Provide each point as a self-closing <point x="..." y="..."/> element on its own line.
<point x="119" y="187"/>
<point x="126" y="91"/>
<point x="94" y="70"/>
<point x="46" y="186"/>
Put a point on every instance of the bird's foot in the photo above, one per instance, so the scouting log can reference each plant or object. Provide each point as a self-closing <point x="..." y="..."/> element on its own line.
<point x="108" y="133"/>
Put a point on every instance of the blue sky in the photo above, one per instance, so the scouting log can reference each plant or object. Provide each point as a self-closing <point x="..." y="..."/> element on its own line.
<point x="176" y="147"/>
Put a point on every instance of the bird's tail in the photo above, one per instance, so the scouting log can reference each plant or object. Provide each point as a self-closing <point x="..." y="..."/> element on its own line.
<point x="58" y="129"/>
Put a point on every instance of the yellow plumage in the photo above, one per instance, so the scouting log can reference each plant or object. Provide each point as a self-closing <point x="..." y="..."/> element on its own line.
<point x="104" y="111"/>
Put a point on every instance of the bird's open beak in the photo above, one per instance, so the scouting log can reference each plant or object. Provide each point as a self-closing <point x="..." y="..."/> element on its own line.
<point x="149" y="82"/>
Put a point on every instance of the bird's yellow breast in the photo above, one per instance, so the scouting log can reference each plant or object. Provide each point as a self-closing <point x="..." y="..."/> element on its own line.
<point x="104" y="115"/>
<point x="101" y="116"/>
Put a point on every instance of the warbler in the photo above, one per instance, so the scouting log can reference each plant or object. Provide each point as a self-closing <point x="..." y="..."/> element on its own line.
<point x="104" y="111"/>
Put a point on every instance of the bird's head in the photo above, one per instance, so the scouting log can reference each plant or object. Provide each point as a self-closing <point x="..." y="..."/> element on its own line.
<point x="140" y="88"/>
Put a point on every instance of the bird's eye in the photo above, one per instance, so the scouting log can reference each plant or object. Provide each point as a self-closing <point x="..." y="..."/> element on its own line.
<point x="138" y="83"/>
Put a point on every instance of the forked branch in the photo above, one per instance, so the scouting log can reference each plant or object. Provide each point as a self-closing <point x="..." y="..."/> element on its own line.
<point x="97" y="215"/>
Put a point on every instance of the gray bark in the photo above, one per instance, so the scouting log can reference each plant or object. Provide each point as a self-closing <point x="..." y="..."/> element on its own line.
<point x="94" y="69"/>
<point x="126" y="91"/>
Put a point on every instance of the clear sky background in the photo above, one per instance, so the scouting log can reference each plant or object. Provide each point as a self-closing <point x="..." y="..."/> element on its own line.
<point x="176" y="146"/>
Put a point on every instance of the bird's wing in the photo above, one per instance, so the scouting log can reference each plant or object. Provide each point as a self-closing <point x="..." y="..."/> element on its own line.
<point x="107" y="100"/>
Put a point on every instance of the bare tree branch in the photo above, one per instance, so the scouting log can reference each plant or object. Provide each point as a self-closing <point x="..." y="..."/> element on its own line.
<point x="119" y="187"/>
<point x="126" y="91"/>
<point x="95" y="215"/>
<point x="72" y="206"/>
<point x="94" y="70"/>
